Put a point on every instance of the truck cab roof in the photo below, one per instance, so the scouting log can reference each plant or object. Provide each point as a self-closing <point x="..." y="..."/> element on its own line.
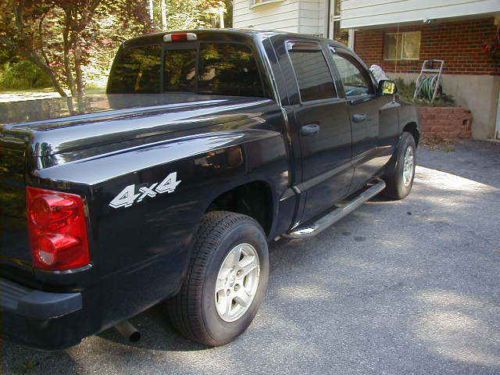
<point x="227" y="34"/>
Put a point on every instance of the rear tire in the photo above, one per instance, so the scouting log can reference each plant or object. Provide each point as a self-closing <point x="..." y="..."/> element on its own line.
<point x="218" y="299"/>
<point x="401" y="172"/>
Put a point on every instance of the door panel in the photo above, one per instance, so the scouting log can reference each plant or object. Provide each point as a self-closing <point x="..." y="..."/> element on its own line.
<point x="364" y="107"/>
<point x="388" y="128"/>
<point x="322" y="126"/>
<point x="326" y="156"/>
<point x="364" y="139"/>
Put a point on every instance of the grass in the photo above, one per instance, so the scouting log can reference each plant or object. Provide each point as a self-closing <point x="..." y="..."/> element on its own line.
<point x="30" y="94"/>
<point x="27" y="91"/>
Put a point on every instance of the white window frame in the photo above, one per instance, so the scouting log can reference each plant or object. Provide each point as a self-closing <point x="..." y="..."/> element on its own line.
<point x="259" y="3"/>
<point x="332" y="18"/>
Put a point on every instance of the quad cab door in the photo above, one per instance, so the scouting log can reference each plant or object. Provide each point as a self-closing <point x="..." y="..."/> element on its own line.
<point x="323" y="128"/>
<point x="365" y="109"/>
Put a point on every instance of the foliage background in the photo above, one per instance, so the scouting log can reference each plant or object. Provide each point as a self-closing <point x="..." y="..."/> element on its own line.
<point x="69" y="45"/>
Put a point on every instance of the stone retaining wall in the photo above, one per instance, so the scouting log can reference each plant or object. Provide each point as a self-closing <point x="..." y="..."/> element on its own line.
<point x="446" y="122"/>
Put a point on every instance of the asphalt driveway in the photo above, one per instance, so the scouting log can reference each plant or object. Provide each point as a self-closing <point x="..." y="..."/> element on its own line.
<point x="395" y="288"/>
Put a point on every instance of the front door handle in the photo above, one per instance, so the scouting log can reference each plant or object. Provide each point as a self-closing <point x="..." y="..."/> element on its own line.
<point x="309" y="129"/>
<point x="359" y="117"/>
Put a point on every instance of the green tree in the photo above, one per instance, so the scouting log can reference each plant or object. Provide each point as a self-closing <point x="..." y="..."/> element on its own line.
<point x="73" y="41"/>
<point x="62" y="36"/>
<point x="191" y="14"/>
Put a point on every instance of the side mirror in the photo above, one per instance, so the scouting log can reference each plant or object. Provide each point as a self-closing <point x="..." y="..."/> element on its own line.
<point x="386" y="87"/>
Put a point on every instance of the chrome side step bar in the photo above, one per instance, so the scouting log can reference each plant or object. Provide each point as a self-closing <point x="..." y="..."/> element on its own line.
<point x="312" y="229"/>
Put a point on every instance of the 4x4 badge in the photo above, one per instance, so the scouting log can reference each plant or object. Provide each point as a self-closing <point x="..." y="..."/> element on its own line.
<point x="128" y="196"/>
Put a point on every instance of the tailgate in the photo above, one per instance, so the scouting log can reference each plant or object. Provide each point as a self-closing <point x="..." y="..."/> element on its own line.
<point x="14" y="244"/>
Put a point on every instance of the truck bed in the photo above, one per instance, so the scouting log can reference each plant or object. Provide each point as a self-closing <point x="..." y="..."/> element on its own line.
<point x="39" y="135"/>
<point x="104" y="119"/>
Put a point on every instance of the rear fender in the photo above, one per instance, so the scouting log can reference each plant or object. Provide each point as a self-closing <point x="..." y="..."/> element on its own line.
<point x="141" y="250"/>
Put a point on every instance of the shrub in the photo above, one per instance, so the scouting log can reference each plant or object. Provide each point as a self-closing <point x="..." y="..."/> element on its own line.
<point x="23" y="75"/>
<point x="407" y="90"/>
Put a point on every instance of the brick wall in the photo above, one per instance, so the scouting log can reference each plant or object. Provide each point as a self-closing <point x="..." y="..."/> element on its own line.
<point x="445" y="122"/>
<point x="458" y="43"/>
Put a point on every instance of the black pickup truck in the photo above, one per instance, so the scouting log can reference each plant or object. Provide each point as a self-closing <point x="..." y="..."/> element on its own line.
<point x="207" y="146"/>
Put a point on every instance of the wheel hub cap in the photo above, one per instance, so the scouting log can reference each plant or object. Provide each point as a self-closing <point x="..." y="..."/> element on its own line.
<point x="408" y="166"/>
<point x="237" y="282"/>
<point x="232" y="279"/>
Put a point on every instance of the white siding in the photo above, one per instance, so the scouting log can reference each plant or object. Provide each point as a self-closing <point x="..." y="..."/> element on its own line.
<point x="297" y="16"/>
<point x="310" y="16"/>
<point x="313" y="17"/>
<point x="283" y="16"/>
<point x="361" y="13"/>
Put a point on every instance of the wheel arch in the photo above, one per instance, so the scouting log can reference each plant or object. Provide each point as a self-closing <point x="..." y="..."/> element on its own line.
<point x="412" y="128"/>
<point x="254" y="198"/>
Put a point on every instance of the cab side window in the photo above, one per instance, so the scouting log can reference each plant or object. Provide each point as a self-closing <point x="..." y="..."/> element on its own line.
<point x="354" y="78"/>
<point x="312" y="72"/>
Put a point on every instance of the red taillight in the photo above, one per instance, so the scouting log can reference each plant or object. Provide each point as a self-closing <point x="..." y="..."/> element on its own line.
<point x="179" y="37"/>
<point x="58" y="230"/>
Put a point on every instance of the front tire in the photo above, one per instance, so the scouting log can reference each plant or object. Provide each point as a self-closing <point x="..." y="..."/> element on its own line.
<point x="226" y="280"/>
<point x="401" y="172"/>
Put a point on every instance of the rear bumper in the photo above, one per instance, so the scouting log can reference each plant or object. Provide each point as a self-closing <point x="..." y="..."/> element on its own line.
<point x="40" y="319"/>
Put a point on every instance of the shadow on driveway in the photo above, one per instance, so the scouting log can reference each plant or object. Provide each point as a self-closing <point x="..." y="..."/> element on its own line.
<point x="396" y="287"/>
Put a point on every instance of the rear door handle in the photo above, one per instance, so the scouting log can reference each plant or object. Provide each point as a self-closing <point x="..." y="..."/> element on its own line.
<point x="309" y="129"/>
<point x="360" y="117"/>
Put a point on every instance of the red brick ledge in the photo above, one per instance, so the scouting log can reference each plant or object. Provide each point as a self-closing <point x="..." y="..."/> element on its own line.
<point x="446" y="122"/>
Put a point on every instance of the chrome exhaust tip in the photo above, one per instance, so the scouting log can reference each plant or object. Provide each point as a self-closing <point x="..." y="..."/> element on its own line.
<point x="127" y="330"/>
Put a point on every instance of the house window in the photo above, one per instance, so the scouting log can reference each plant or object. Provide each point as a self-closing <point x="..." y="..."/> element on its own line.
<point x="337" y="34"/>
<point x="262" y="2"/>
<point x="402" y="46"/>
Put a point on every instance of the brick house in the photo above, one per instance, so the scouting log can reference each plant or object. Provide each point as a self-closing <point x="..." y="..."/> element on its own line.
<point x="399" y="35"/>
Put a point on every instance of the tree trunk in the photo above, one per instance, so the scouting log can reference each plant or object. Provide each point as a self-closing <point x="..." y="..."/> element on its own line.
<point x="80" y="84"/>
<point x="163" y="15"/>
<point x="78" y="25"/>
<point x="39" y="62"/>
<point x="221" y="17"/>
<point x="151" y="12"/>
<point x="66" y="47"/>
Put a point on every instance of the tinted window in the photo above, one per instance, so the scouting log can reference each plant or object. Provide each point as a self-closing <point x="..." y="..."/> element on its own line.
<point x="354" y="78"/>
<point x="179" y="71"/>
<point x="223" y="69"/>
<point x="228" y="69"/>
<point x="313" y="75"/>
<point x="136" y="70"/>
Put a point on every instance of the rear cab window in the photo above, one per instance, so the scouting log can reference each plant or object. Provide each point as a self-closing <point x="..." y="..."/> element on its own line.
<point x="228" y="69"/>
<point x="212" y="68"/>
<point x="136" y="71"/>
<point x="313" y="75"/>
<point x="179" y="70"/>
